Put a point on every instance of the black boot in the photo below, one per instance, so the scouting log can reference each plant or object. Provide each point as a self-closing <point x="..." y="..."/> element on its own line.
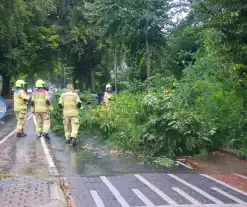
<point x="38" y="136"/>
<point x="67" y="141"/>
<point x="46" y="135"/>
<point x="23" y="133"/>
<point x="20" y="135"/>
<point x="73" y="141"/>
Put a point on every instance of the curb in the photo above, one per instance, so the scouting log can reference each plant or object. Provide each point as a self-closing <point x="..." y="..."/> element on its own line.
<point x="68" y="193"/>
<point x="229" y="152"/>
<point x="58" y="197"/>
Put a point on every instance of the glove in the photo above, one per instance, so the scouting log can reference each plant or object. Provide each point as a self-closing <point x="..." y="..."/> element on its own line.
<point x="78" y="105"/>
<point x="32" y="103"/>
<point x="48" y="102"/>
<point x="60" y="106"/>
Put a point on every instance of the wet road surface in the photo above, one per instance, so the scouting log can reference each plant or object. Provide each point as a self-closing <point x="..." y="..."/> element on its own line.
<point x="23" y="156"/>
<point x="100" y="179"/>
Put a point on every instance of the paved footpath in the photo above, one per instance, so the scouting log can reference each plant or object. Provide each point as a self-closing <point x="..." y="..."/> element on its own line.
<point x="26" y="180"/>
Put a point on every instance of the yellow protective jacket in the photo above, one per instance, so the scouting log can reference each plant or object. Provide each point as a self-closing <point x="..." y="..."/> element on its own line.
<point x="107" y="97"/>
<point x="39" y="98"/>
<point x="20" y="100"/>
<point x="69" y="101"/>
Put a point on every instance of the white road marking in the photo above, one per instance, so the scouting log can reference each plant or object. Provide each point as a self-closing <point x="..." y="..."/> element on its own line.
<point x="217" y="201"/>
<point x="228" y="195"/>
<point x="115" y="192"/>
<point x="143" y="198"/>
<point x="187" y="166"/>
<point x="97" y="199"/>
<point x="241" y="176"/>
<point x="156" y="190"/>
<point x="222" y="183"/>
<point x="188" y="197"/>
<point x="205" y="205"/>
<point x="47" y="153"/>
<point x="13" y="132"/>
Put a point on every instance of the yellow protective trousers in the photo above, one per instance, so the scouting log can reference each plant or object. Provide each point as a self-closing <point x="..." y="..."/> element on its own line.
<point x="71" y="126"/>
<point x="21" y="119"/>
<point x="43" y="122"/>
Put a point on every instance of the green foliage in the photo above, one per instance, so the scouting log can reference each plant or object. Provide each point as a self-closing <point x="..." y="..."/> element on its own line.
<point x="56" y="118"/>
<point x="242" y="154"/>
<point x="164" y="161"/>
<point x="120" y="125"/>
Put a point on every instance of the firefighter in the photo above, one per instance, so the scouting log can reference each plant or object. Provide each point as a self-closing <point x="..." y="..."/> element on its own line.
<point x="70" y="103"/>
<point x="41" y="106"/>
<point x="108" y="94"/>
<point x="20" y="107"/>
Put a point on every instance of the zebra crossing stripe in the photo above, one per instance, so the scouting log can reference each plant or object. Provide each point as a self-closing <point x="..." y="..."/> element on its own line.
<point x="156" y="190"/>
<point x="217" y="201"/>
<point x="222" y="183"/>
<point x="115" y="192"/>
<point x="188" y="197"/>
<point x="228" y="195"/>
<point x="97" y="199"/>
<point x="143" y="198"/>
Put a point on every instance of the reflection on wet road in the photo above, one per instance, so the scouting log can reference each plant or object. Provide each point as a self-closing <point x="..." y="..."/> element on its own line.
<point x="93" y="159"/>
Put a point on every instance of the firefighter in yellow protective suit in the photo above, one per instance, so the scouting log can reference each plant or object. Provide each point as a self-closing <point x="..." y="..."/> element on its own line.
<point x="20" y="107"/>
<point x="41" y="106"/>
<point x="70" y="103"/>
<point x="108" y="96"/>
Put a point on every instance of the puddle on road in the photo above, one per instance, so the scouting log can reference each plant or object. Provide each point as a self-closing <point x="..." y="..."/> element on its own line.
<point x="91" y="158"/>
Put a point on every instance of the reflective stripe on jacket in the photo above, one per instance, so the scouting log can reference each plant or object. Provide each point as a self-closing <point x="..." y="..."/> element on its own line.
<point x="69" y="101"/>
<point x="39" y="98"/>
<point x="20" y="100"/>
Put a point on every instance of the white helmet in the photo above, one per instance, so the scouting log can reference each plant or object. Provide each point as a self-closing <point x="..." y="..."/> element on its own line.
<point x="108" y="86"/>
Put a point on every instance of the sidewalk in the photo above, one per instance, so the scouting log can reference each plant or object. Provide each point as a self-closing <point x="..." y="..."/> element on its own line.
<point x="26" y="179"/>
<point x="27" y="191"/>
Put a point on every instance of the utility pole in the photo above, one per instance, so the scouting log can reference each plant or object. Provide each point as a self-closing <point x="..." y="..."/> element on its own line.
<point x="115" y="67"/>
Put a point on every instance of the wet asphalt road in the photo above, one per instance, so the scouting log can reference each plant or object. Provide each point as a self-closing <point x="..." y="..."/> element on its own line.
<point x="101" y="179"/>
<point x="23" y="156"/>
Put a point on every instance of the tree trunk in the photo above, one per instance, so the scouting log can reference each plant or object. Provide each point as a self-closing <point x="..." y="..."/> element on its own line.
<point x="74" y="81"/>
<point x="92" y="80"/>
<point x="82" y="84"/>
<point x="5" y="84"/>
<point x="148" y="57"/>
